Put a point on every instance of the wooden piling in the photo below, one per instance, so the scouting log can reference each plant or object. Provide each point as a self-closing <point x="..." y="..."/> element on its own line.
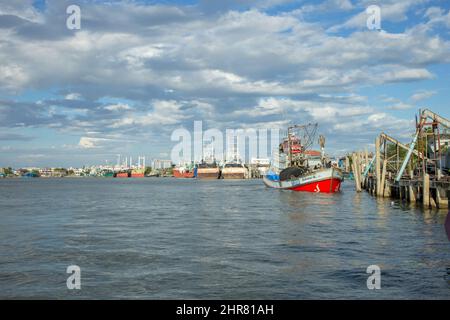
<point x="387" y="189"/>
<point x="355" y="172"/>
<point x="412" y="196"/>
<point x="441" y="201"/>
<point x="359" y="168"/>
<point x="378" y="164"/>
<point x="426" y="190"/>
<point x="366" y="155"/>
<point x="433" y="203"/>
<point x="383" y="178"/>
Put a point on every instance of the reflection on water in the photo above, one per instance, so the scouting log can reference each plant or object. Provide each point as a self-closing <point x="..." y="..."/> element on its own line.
<point x="168" y="238"/>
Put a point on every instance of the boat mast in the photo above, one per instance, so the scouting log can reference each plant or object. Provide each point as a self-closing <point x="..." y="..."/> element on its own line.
<point x="289" y="146"/>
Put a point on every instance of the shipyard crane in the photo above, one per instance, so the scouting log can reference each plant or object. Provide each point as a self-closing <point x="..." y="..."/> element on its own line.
<point x="425" y="115"/>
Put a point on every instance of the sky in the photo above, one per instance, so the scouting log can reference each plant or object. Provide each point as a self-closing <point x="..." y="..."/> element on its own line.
<point x="137" y="70"/>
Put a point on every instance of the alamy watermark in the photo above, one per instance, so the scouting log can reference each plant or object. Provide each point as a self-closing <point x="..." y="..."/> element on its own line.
<point x="213" y="144"/>
<point x="73" y="21"/>
<point x="373" y="21"/>
<point x="374" y="280"/>
<point x="74" y="280"/>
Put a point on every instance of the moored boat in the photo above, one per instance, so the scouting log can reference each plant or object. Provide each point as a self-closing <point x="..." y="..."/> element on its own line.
<point x="185" y="172"/>
<point x="107" y="174"/>
<point x="234" y="170"/>
<point x="125" y="174"/>
<point x="138" y="173"/>
<point x="208" y="170"/>
<point x="296" y="168"/>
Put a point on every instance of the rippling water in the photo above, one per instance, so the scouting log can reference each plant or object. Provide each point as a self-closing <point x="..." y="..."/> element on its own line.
<point x="165" y="238"/>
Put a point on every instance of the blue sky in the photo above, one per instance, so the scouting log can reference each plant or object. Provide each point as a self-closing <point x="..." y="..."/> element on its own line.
<point x="137" y="70"/>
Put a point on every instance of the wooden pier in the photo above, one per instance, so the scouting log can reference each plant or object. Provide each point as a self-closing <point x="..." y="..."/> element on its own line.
<point x="416" y="172"/>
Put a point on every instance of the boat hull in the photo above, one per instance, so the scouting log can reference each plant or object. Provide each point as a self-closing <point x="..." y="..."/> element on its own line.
<point x="122" y="175"/>
<point x="183" y="174"/>
<point x="233" y="174"/>
<point x="137" y="175"/>
<point x="208" y="173"/>
<point x="323" y="181"/>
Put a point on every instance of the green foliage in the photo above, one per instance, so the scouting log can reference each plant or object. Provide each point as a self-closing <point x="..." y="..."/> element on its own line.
<point x="7" y="171"/>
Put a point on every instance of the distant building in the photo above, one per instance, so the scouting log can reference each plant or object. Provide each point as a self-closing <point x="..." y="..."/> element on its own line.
<point x="260" y="162"/>
<point x="161" y="164"/>
<point x="52" y="172"/>
<point x="45" y="172"/>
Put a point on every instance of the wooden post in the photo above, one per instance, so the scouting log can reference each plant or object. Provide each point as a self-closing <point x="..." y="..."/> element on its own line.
<point x="441" y="201"/>
<point x="367" y="157"/>
<point x="378" y="164"/>
<point x="387" y="189"/>
<point x="426" y="190"/>
<point x="355" y="172"/>
<point x="433" y="203"/>
<point x="412" y="196"/>
<point x="359" y="168"/>
<point x="358" y="171"/>
<point x="383" y="178"/>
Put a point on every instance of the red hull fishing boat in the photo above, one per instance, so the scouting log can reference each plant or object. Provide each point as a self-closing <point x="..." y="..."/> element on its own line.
<point x="122" y="175"/>
<point x="293" y="168"/>
<point x="184" y="172"/>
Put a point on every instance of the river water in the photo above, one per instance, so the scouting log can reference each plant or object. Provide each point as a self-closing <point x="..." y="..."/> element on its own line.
<point x="157" y="238"/>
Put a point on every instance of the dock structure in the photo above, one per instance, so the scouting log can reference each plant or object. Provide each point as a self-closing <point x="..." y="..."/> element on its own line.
<point x="414" y="172"/>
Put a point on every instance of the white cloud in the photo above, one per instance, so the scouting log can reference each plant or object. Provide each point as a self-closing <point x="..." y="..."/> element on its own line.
<point x="422" y="95"/>
<point x="91" y="143"/>
<point x="73" y="96"/>
<point x="400" y="106"/>
<point x="437" y="16"/>
<point x="12" y="77"/>
<point x="21" y="8"/>
<point x="164" y="113"/>
<point x="117" y="107"/>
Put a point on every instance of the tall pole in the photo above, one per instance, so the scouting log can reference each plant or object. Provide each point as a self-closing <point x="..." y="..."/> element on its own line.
<point x="289" y="147"/>
<point x="378" y="164"/>
<point x="410" y="151"/>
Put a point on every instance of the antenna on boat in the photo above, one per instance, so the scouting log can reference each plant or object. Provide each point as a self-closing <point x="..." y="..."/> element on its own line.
<point x="307" y="134"/>
<point x="322" y="146"/>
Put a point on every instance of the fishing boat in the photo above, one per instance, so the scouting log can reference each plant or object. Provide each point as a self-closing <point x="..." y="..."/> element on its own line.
<point x="185" y="171"/>
<point x="123" y="174"/>
<point x="206" y="170"/>
<point x="291" y="170"/>
<point x="234" y="170"/>
<point x="138" y="173"/>
<point x="107" y="174"/>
